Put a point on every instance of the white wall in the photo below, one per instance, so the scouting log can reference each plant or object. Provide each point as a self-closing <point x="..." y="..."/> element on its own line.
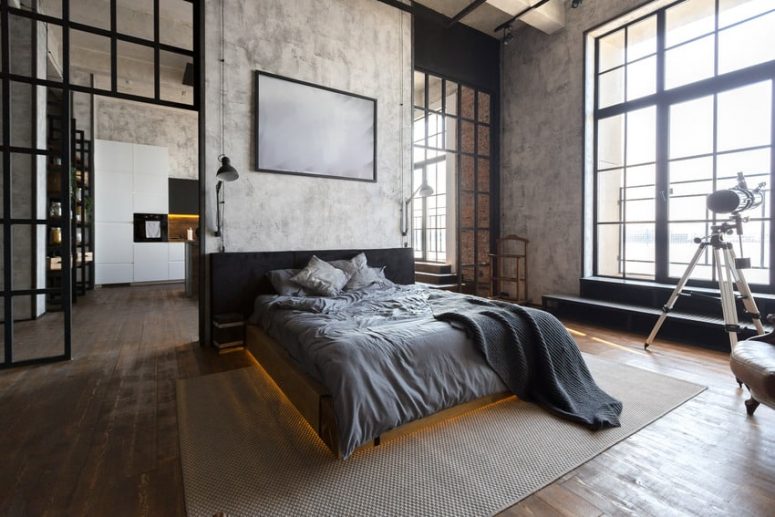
<point x="359" y="46"/>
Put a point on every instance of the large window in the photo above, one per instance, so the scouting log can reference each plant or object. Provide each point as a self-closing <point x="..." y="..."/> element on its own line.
<point x="683" y="102"/>
<point x="452" y="154"/>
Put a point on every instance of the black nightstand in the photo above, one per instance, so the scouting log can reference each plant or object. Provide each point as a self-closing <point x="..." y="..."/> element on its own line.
<point x="228" y="332"/>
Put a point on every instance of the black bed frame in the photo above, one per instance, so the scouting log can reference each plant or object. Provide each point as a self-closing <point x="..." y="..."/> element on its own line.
<point x="237" y="278"/>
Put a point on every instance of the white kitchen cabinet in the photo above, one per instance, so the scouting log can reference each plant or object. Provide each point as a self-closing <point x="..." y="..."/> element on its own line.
<point x="113" y="197"/>
<point x="114" y="243"/>
<point x="114" y="274"/>
<point x="132" y="178"/>
<point x="177" y="256"/>
<point x="151" y="262"/>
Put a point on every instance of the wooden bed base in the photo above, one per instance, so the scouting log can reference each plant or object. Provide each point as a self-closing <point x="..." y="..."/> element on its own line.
<point x="315" y="404"/>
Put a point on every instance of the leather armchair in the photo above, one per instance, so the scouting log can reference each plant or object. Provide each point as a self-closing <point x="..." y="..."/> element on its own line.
<point x="753" y="362"/>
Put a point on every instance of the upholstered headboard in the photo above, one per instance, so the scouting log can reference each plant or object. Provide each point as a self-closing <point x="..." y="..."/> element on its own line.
<point x="237" y="278"/>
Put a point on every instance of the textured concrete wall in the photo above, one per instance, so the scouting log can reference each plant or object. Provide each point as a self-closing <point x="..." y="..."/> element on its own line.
<point x="351" y="45"/>
<point x="543" y="145"/>
<point x="138" y="123"/>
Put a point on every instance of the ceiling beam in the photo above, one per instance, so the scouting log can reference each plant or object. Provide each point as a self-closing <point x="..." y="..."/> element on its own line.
<point x="547" y="18"/>
<point x="398" y="5"/>
<point x="466" y="11"/>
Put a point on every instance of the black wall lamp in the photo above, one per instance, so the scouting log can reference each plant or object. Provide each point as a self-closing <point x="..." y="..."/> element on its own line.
<point x="226" y="173"/>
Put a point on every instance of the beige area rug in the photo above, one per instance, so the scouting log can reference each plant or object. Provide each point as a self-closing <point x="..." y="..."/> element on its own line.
<point x="245" y="451"/>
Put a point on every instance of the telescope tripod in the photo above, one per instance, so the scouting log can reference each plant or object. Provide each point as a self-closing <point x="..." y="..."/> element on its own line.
<point x="729" y="273"/>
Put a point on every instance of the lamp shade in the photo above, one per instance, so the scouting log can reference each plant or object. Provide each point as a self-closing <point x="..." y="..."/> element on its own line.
<point x="425" y="190"/>
<point x="226" y="172"/>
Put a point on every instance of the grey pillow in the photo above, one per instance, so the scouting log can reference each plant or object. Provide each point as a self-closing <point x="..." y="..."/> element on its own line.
<point x="282" y="283"/>
<point x="352" y="266"/>
<point x="366" y="277"/>
<point x="321" y="278"/>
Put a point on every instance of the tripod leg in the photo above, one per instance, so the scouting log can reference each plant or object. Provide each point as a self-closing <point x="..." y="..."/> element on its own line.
<point x="745" y="292"/>
<point x="728" y="306"/>
<point x="674" y="296"/>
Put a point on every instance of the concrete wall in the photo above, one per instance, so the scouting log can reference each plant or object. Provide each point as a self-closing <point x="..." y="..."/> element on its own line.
<point x="542" y="145"/>
<point x="351" y="45"/>
<point x="138" y="123"/>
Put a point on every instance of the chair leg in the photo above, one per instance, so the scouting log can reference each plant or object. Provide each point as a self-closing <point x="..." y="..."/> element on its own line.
<point x="750" y="405"/>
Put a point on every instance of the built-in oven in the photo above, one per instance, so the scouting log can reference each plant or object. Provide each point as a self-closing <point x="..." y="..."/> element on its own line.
<point x="150" y="227"/>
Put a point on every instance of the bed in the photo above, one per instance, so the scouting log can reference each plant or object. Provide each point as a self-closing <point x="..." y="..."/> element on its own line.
<point x="366" y="365"/>
<point x="416" y="396"/>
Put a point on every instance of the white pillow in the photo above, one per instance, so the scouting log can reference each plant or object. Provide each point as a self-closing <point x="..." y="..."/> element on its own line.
<point x="321" y="278"/>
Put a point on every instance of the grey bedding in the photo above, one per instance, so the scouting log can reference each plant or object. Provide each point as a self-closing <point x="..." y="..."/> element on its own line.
<point x="381" y="354"/>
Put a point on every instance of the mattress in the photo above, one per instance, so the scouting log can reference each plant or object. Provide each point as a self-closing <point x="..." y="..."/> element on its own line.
<point x="381" y="355"/>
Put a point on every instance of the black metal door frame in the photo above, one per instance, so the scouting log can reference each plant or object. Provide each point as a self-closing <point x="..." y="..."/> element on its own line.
<point x="8" y="78"/>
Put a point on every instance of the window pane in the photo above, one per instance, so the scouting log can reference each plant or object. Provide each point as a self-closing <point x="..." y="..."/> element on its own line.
<point x="692" y="208"/>
<point x="135" y="18"/>
<point x="419" y="89"/>
<point x="434" y="93"/>
<point x="747" y="44"/>
<point x="611" y="88"/>
<point x="642" y="175"/>
<point x="642" y="78"/>
<point x="89" y="54"/>
<point x="639" y="242"/>
<point x="689" y="20"/>
<point x="682" y="248"/>
<point x="451" y="93"/>
<point x="608" y="246"/>
<point x="176" y="23"/>
<point x="483" y="140"/>
<point x="641" y="136"/>
<point x="755" y="166"/>
<point x="733" y="11"/>
<point x="450" y="133"/>
<point x="467" y="136"/>
<point x="172" y="68"/>
<point x="690" y="170"/>
<point x="483" y="109"/>
<point x="419" y="126"/>
<point x="135" y="69"/>
<point x="96" y="14"/>
<point x="756" y="247"/>
<point x="689" y="63"/>
<point x="467" y="100"/>
<point x="610" y="142"/>
<point x="639" y="210"/>
<point x="691" y="128"/>
<point x="611" y="51"/>
<point x="745" y="117"/>
<point x="610" y="186"/>
<point x="642" y="39"/>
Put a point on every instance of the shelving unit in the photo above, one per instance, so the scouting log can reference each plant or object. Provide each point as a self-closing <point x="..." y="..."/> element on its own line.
<point x="81" y="220"/>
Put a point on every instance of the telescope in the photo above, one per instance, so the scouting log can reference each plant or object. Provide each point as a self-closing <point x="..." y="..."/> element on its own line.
<point x="736" y="199"/>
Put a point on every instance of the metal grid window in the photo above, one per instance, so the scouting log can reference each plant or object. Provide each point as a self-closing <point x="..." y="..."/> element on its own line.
<point x="684" y="100"/>
<point x="43" y="44"/>
<point x="452" y="153"/>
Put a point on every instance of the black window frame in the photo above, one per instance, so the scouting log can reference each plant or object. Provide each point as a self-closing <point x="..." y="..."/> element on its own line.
<point x="9" y="77"/>
<point x="662" y="99"/>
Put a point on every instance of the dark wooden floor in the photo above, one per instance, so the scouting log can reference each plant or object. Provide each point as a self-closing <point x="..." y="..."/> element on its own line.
<point x="98" y="435"/>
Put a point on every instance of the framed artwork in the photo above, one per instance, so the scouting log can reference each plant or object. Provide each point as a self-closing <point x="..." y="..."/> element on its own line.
<point x="311" y="130"/>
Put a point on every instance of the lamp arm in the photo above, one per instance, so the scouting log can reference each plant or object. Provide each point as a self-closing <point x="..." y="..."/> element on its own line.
<point x="405" y="218"/>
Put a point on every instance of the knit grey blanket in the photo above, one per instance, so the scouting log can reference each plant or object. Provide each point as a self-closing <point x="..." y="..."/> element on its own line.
<point x="532" y="352"/>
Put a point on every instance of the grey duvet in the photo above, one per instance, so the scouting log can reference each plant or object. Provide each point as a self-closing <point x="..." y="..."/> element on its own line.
<point x="381" y="354"/>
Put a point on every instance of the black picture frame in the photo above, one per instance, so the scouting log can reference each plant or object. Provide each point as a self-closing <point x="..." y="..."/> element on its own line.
<point x="257" y="75"/>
